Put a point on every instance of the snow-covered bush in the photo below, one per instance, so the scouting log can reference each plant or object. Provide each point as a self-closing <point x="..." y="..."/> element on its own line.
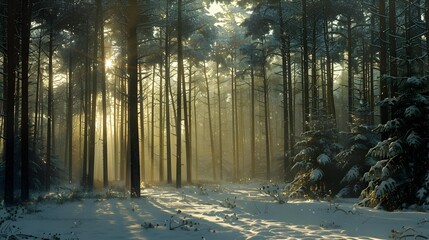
<point x="228" y="203"/>
<point x="274" y="191"/>
<point x="316" y="170"/>
<point x="37" y="160"/>
<point x="353" y="160"/>
<point x="401" y="177"/>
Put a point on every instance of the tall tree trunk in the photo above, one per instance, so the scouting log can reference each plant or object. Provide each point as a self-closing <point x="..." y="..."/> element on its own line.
<point x="142" y="144"/>
<point x="210" y="122"/>
<point x="350" y="86"/>
<point x="115" y="128"/>
<point x="187" y="131"/>
<point x="10" y="104"/>
<point x="50" y="110"/>
<point x="38" y="87"/>
<point x="371" y="71"/>
<point x="252" y="124"/>
<point x="86" y="112"/>
<point x="219" y="121"/>
<point x="329" y="78"/>
<point x="427" y="27"/>
<point x="196" y="134"/>
<point x="283" y="51"/>
<point x="313" y="87"/>
<point x="132" y="97"/>
<point x="161" y="124"/>
<point x="291" y="100"/>
<point x="305" y="97"/>
<point x="70" y="119"/>
<point x="152" y="128"/>
<point x="233" y="125"/>
<point x="266" y="123"/>
<point x="167" y="96"/>
<point x="25" y="51"/>
<point x="103" y="95"/>
<point x="384" y="112"/>
<point x="393" y="70"/>
<point x="236" y="125"/>
<point x="95" y="63"/>
<point x="179" y="96"/>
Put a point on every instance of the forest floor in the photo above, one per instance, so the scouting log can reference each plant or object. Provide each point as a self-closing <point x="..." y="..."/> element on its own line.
<point x="228" y="211"/>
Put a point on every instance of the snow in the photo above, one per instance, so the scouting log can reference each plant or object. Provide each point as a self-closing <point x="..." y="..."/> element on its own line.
<point x="204" y="215"/>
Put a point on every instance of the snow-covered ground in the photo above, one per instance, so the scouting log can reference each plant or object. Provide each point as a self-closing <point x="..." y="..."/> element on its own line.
<point x="230" y="211"/>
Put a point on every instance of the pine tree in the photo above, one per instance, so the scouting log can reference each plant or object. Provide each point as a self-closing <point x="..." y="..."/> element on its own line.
<point x="315" y="163"/>
<point x="401" y="177"/>
<point x="352" y="160"/>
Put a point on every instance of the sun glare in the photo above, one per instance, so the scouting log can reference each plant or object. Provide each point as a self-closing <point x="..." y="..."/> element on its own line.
<point x="109" y="63"/>
<point x="214" y="8"/>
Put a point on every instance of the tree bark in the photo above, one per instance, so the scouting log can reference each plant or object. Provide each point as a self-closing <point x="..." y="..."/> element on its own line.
<point x="219" y="122"/>
<point x="305" y="97"/>
<point x="95" y="63"/>
<point x="10" y="104"/>
<point x="179" y="96"/>
<point x="70" y="119"/>
<point x="384" y="112"/>
<point x="350" y="86"/>
<point x="187" y="131"/>
<point x="25" y="51"/>
<point x="103" y="95"/>
<point x="50" y="108"/>
<point x="210" y="122"/>
<point x="132" y="97"/>
<point x="283" y="51"/>
<point x="167" y="96"/>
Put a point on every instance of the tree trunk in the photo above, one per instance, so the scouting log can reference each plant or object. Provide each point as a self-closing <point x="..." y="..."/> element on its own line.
<point x="210" y="122"/>
<point x="329" y="78"/>
<point x="142" y="144"/>
<point x="132" y="97"/>
<point x="195" y="133"/>
<point x="266" y="123"/>
<point x="50" y="110"/>
<point x="384" y="112"/>
<point x="313" y="87"/>
<point x="38" y="87"/>
<point x="187" y="132"/>
<point x="233" y="125"/>
<point x="10" y="104"/>
<point x="427" y="27"/>
<point x="350" y="84"/>
<point x="161" y="124"/>
<point x="283" y="51"/>
<point x="152" y="128"/>
<point x="291" y="101"/>
<point x="179" y="96"/>
<point x="305" y="97"/>
<point x="95" y="63"/>
<point x="167" y="96"/>
<point x="219" y="122"/>
<point x="70" y="119"/>
<point x="86" y="112"/>
<point x="141" y="107"/>
<point x="371" y="71"/>
<point x="103" y="95"/>
<point x="25" y="51"/>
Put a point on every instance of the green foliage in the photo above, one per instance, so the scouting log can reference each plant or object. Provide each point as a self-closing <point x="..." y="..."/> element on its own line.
<point x="315" y="166"/>
<point x="401" y="177"/>
<point x="353" y="160"/>
<point x="37" y="168"/>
